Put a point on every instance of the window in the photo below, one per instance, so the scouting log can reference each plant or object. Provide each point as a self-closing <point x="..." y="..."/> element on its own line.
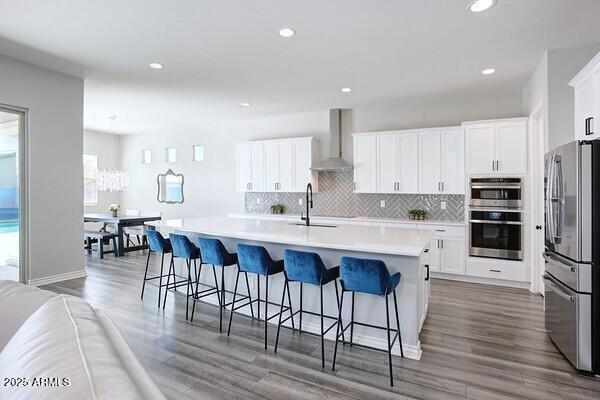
<point x="171" y="154"/>
<point x="90" y="185"/>
<point x="198" y="153"/>
<point x="146" y="157"/>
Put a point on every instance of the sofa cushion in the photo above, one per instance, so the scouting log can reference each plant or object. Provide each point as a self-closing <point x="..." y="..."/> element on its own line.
<point x="64" y="339"/>
<point x="17" y="303"/>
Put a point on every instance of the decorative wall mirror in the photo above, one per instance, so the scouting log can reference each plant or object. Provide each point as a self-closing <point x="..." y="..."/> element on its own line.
<point x="170" y="187"/>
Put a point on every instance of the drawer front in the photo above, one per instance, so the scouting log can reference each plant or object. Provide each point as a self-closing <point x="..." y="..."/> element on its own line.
<point x="444" y="230"/>
<point x="511" y="272"/>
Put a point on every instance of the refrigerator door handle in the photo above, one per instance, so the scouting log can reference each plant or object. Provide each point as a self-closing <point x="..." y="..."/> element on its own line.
<point x="560" y="218"/>
<point x="549" y="194"/>
<point x="559" y="291"/>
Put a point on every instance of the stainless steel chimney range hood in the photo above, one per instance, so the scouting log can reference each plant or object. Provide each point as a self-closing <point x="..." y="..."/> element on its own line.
<point x="335" y="162"/>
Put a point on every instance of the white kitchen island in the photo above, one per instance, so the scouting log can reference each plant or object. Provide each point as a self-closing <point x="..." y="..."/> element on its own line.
<point x="403" y="250"/>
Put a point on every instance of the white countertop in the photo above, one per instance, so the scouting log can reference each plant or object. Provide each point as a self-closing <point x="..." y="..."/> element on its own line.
<point x="370" y="239"/>
<point x="358" y="218"/>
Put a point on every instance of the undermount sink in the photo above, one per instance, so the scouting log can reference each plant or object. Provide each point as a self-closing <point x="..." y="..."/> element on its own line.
<point x="317" y="225"/>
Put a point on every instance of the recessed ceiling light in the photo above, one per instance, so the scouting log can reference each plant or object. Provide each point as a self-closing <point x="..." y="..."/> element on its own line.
<point x="488" y="71"/>
<point x="113" y="116"/>
<point x="245" y="104"/>
<point x="156" y="66"/>
<point x="346" y="90"/>
<point x="287" y="32"/>
<point x="481" y="5"/>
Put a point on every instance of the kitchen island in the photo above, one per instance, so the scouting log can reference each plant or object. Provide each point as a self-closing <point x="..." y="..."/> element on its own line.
<point x="403" y="250"/>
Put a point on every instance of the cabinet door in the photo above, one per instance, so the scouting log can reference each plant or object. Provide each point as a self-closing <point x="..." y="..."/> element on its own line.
<point x="453" y="161"/>
<point x="408" y="163"/>
<point x="584" y="108"/>
<point x="387" y="163"/>
<point x="452" y="256"/>
<point x="595" y="122"/>
<point x="257" y="182"/>
<point x="434" y="255"/>
<point x="271" y="150"/>
<point x="286" y="167"/>
<point x="511" y="147"/>
<point x="243" y="167"/>
<point x="480" y="140"/>
<point x="365" y="171"/>
<point x="302" y="174"/>
<point x="430" y="164"/>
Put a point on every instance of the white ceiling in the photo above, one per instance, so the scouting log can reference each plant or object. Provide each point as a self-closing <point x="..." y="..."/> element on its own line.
<point x="217" y="54"/>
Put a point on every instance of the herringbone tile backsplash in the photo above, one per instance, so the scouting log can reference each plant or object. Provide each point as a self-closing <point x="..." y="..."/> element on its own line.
<point x="336" y="198"/>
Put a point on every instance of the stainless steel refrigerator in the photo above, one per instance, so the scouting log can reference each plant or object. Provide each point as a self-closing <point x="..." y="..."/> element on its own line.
<point x="572" y="279"/>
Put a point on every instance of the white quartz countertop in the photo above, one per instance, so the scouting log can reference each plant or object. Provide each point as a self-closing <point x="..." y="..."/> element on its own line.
<point x="370" y="239"/>
<point x="357" y="218"/>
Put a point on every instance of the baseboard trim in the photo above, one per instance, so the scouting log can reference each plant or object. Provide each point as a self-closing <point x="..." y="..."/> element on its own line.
<point x="410" y="351"/>
<point x="476" y="279"/>
<point x="57" y="278"/>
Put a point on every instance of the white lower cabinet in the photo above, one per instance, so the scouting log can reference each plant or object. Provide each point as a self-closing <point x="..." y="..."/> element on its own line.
<point x="447" y="251"/>
<point x="498" y="269"/>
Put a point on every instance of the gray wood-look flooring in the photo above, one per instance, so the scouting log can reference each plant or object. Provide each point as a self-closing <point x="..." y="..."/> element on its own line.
<point x="479" y="342"/>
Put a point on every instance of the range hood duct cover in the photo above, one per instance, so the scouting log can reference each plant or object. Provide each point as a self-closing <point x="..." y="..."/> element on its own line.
<point x="335" y="162"/>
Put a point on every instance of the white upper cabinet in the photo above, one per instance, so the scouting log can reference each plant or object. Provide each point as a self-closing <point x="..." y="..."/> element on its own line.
<point x="304" y="153"/>
<point x="365" y="160"/>
<point x="511" y="147"/>
<point x="428" y="161"/>
<point x="397" y="163"/>
<point x="250" y="167"/>
<point x="430" y="168"/>
<point x="408" y="163"/>
<point x="453" y="161"/>
<point x="281" y="165"/>
<point x="442" y="161"/>
<point x="497" y="147"/>
<point x="587" y="101"/>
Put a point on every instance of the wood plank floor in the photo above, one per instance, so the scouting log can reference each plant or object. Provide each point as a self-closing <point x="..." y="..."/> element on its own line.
<point x="479" y="342"/>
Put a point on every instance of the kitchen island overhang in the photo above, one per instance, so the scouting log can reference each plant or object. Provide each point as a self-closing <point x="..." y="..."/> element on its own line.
<point x="403" y="250"/>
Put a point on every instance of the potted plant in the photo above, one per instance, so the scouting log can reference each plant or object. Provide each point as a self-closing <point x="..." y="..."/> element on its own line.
<point x="277" y="208"/>
<point x="417" y="213"/>
<point x="114" y="209"/>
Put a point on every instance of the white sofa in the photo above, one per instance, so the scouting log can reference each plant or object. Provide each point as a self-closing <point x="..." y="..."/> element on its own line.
<point x="59" y="347"/>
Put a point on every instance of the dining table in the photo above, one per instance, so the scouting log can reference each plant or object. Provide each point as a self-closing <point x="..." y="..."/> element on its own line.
<point x="120" y="222"/>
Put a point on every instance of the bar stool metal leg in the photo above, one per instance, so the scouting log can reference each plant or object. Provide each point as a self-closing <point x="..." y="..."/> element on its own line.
<point x="162" y="261"/>
<point x="337" y="333"/>
<point x="389" y="343"/>
<point x="285" y="286"/>
<point x="322" y="333"/>
<point x="187" y="297"/>
<point x="222" y="305"/>
<point x="266" y="307"/>
<point x="301" y="307"/>
<point x="249" y="296"/>
<point x="171" y="268"/>
<point x="398" y="325"/>
<point x="146" y="275"/>
<point x="237" y="278"/>
<point x="352" y="321"/>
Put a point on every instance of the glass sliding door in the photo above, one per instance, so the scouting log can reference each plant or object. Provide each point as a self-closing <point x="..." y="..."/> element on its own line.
<point x="11" y="131"/>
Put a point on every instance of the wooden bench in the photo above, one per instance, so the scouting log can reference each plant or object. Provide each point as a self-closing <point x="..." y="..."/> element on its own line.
<point x="100" y="237"/>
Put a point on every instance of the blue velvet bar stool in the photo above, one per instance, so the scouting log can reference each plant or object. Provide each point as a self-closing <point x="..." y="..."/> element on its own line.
<point x="157" y="244"/>
<point x="306" y="267"/>
<point x="213" y="252"/>
<point x="184" y="248"/>
<point x="256" y="260"/>
<point x="369" y="277"/>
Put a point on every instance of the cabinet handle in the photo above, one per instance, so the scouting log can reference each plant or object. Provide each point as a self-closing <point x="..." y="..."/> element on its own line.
<point x="442" y="240"/>
<point x="588" y="126"/>
<point x="427" y="268"/>
<point x="443" y="186"/>
<point x="438" y="244"/>
<point x="495" y="270"/>
<point x="355" y="185"/>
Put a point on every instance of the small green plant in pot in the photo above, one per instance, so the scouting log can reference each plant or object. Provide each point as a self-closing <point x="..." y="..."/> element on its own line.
<point x="277" y="209"/>
<point x="114" y="209"/>
<point x="417" y="213"/>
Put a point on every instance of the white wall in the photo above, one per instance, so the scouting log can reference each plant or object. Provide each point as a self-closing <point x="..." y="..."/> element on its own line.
<point x="106" y="147"/>
<point x="55" y="104"/>
<point x="210" y="187"/>
<point x="550" y="83"/>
